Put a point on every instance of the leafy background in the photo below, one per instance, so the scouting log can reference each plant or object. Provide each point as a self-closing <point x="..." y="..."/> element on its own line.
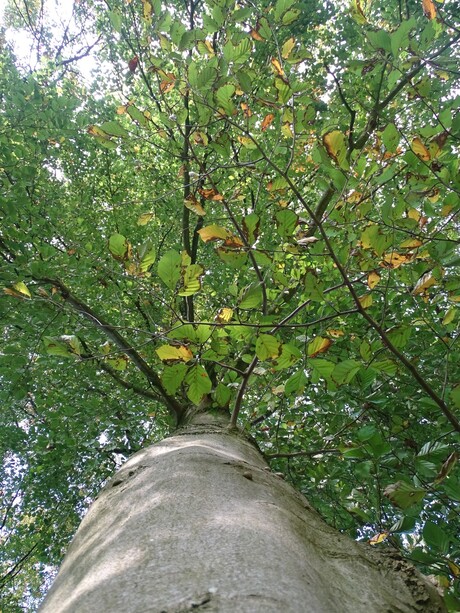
<point x="254" y="204"/>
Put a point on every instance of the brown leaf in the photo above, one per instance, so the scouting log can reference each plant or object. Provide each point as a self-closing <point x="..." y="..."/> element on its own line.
<point x="133" y="63"/>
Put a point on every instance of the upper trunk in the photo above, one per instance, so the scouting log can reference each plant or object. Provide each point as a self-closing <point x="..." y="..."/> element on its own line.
<point x="199" y="521"/>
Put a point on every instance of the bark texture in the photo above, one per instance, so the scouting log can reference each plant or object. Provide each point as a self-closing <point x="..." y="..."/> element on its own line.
<point x="198" y="522"/>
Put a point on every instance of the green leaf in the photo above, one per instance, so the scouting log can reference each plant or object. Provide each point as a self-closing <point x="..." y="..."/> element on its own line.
<point x="290" y="354"/>
<point x="199" y="383"/>
<point x="115" y="20"/>
<point x="169" y="268"/>
<point x="434" y="536"/>
<point x="345" y="371"/>
<point x="286" y="223"/>
<point x="223" y="98"/>
<point x="222" y="395"/>
<point x="119" y="247"/>
<point x="114" y="129"/>
<point x="296" y="383"/>
<point x="173" y="376"/>
<point x="191" y="283"/>
<point x="119" y="362"/>
<point x="281" y="7"/>
<point x="391" y="138"/>
<point x="252" y="298"/>
<point x="404" y="495"/>
<point x="64" y="346"/>
<point x="267" y="347"/>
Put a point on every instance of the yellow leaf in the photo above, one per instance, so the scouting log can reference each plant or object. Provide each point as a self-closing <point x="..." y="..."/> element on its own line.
<point x="168" y="353"/>
<point x="277" y="66"/>
<point x="427" y="280"/>
<point x="335" y="333"/>
<point x="357" y="12"/>
<point x="454" y="568"/>
<point x="224" y="315"/>
<point x="413" y="214"/>
<point x="429" y="9"/>
<point x="145" y="218"/>
<point x="287" y="48"/>
<point x="395" y="260"/>
<point x="372" y="279"/>
<point x="336" y="147"/>
<point x="420" y="150"/>
<point x="192" y="203"/>
<point x="213" y="233"/>
<point x="378" y="538"/>
<point x="318" y="345"/>
<point x="411" y="243"/>
<point x="18" y="290"/>
<point x="366" y="301"/>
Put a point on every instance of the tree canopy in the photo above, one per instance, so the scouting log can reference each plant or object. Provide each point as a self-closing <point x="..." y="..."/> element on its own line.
<point x="252" y="207"/>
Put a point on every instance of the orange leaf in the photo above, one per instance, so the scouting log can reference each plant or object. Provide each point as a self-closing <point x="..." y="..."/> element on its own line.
<point x="267" y="121"/>
<point x="255" y="35"/>
<point x="246" y="110"/>
<point x="277" y="66"/>
<point x="210" y="194"/>
<point x="429" y="9"/>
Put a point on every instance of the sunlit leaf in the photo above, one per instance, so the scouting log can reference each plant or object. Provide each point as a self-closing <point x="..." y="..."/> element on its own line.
<point x="267" y="347"/>
<point x="213" y="233"/>
<point x="18" y="290"/>
<point x="318" y="345"/>
<point x="373" y="279"/>
<point x="192" y="203"/>
<point x="336" y="147"/>
<point x="172" y="353"/>
<point x="224" y="315"/>
<point x="420" y="150"/>
<point x="169" y="268"/>
<point x="379" y="538"/>
<point x="145" y="218"/>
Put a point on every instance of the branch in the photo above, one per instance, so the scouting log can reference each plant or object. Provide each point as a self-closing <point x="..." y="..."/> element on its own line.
<point x="297" y="454"/>
<point x="112" y="333"/>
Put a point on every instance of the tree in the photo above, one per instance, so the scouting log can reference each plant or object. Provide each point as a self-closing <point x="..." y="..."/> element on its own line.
<point x="247" y="213"/>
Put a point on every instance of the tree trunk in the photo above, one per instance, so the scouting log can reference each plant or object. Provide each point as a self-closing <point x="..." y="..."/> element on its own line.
<point x="198" y="521"/>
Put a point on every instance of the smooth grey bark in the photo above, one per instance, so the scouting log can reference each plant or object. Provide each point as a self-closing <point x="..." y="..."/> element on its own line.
<point x="199" y="522"/>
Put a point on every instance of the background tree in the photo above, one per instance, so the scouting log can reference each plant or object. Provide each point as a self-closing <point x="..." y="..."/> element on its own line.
<point x="249" y="206"/>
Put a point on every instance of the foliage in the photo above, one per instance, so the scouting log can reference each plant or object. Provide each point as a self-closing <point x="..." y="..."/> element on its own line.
<point x="253" y="206"/>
